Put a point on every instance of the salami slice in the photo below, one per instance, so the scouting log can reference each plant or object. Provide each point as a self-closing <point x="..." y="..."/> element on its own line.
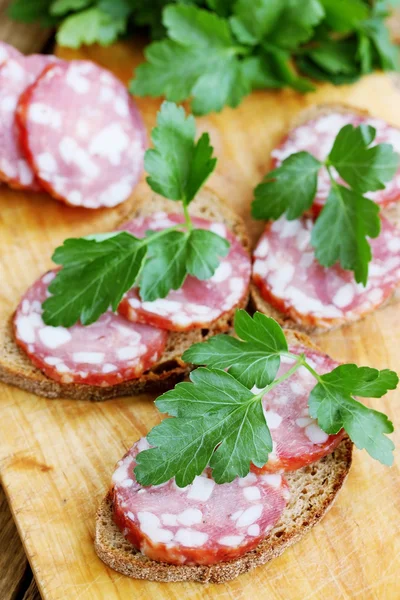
<point x="7" y="51"/>
<point x="82" y="134"/>
<point x="16" y="74"/>
<point x="317" y="136"/>
<point x="197" y="303"/>
<point x="201" y="524"/>
<point x="297" y="439"/>
<point x="105" y="353"/>
<point x="290" y="278"/>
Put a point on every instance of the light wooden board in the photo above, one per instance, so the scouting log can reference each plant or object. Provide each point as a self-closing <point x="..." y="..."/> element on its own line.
<point x="13" y="562"/>
<point x="56" y="456"/>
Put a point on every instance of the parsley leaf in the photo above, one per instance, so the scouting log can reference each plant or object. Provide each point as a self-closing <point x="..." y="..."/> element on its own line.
<point x="335" y="56"/>
<point x="201" y="57"/>
<point x="289" y="189"/>
<point x="62" y="7"/>
<point x="259" y="73"/>
<point x="213" y="410"/>
<point x="331" y="402"/>
<point x="253" y="361"/>
<point x="252" y="22"/>
<point x="343" y="15"/>
<point x="171" y="70"/>
<point x="296" y="23"/>
<point x="310" y="68"/>
<point x="195" y="27"/>
<point x="177" y="254"/>
<point x="223" y="8"/>
<point x="116" y="8"/>
<point x="95" y="276"/>
<point x="165" y="267"/>
<point x="387" y="53"/>
<point x="90" y="26"/>
<point x="363" y="168"/>
<point x="281" y="64"/>
<point x="178" y="166"/>
<point x="340" y="231"/>
<point x="203" y="251"/>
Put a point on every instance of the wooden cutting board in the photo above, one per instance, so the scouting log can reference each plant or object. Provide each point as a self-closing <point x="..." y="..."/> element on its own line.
<point x="56" y="456"/>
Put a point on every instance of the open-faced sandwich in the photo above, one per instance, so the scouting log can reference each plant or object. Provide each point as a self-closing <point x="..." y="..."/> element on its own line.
<point x="328" y="256"/>
<point x="258" y="447"/>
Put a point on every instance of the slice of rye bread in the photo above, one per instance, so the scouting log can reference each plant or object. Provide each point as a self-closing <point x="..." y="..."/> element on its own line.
<point x="313" y="490"/>
<point x="392" y="213"/>
<point x="17" y="369"/>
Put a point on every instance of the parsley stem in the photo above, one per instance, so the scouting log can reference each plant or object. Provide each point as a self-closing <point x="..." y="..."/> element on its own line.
<point x="331" y="177"/>
<point x="280" y="379"/>
<point x="310" y="369"/>
<point x="300" y="362"/>
<point x="158" y="234"/>
<point x="188" y="220"/>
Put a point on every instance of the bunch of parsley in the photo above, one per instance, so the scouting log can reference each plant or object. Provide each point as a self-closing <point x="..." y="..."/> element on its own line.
<point x="217" y="51"/>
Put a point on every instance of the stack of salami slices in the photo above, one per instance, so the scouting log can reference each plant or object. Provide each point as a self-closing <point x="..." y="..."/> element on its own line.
<point x="289" y="283"/>
<point x="68" y="128"/>
<point x="144" y="340"/>
<point x="207" y="523"/>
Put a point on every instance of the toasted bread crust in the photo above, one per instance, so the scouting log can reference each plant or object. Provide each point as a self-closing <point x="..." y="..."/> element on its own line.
<point x="257" y="301"/>
<point x="16" y="368"/>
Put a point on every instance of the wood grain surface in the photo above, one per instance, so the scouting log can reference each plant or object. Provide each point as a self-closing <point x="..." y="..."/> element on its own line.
<point x="14" y="568"/>
<point x="56" y="456"/>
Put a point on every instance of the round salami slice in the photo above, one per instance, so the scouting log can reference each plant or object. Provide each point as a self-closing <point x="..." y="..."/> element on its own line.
<point x="290" y="278"/>
<point x="82" y="134"/>
<point x="317" y="136"/>
<point x="7" y="51"/>
<point x="201" y="524"/>
<point x="108" y="352"/>
<point x="16" y="74"/>
<point x="197" y="303"/>
<point x="297" y="439"/>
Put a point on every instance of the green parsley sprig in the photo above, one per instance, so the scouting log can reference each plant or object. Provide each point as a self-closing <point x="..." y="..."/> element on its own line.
<point x="216" y="51"/>
<point x="219" y="421"/>
<point x="98" y="270"/>
<point x="217" y="58"/>
<point x="348" y="218"/>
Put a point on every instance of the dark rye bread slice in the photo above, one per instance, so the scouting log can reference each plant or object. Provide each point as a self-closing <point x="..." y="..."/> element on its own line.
<point x="16" y="368"/>
<point x="313" y="490"/>
<point x="257" y="301"/>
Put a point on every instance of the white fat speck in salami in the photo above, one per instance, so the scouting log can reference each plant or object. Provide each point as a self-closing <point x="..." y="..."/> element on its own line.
<point x="90" y="354"/>
<point x="199" y="524"/>
<point x="297" y="439"/>
<point x="319" y="296"/>
<point x="317" y="136"/>
<point x="7" y="51"/>
<point x="16" y="75"/>
<point x="197" y="303"/>
<point x="83" y="136"/>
